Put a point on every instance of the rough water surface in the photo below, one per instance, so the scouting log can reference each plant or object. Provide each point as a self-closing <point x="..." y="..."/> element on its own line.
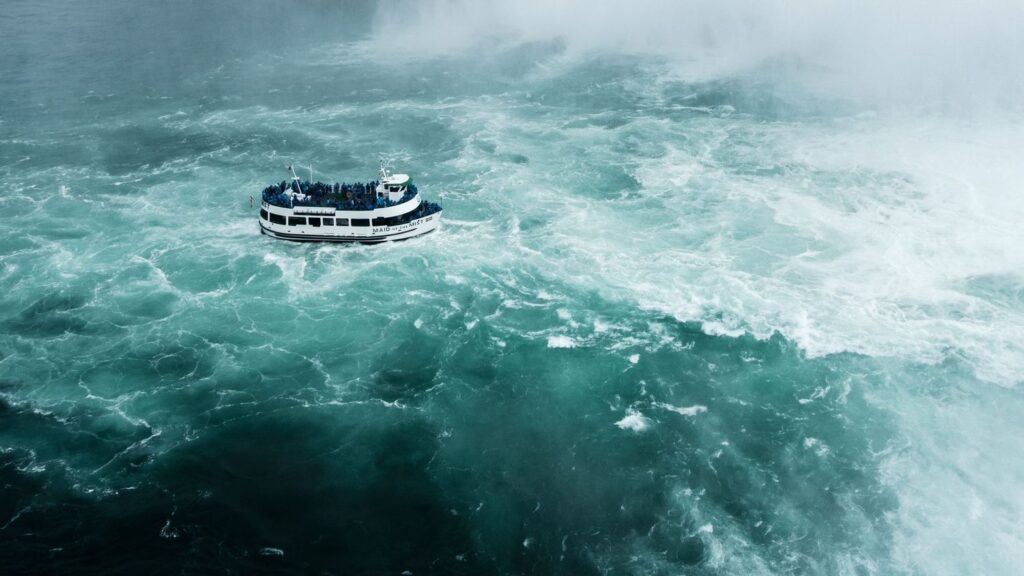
<point x="673" y="323"/>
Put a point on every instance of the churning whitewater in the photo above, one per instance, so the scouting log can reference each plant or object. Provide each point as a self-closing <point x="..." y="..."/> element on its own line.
<point x="719" y="289"/>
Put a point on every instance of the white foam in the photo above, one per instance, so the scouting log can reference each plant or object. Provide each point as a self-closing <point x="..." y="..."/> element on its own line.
<point x="545" y="295"/>
<point x="169" y="532"/>
<point x="561" y="341"/>
<point x="866" y="237"/>
<point x="634" y="421"/>
<point x="685" y="410"/>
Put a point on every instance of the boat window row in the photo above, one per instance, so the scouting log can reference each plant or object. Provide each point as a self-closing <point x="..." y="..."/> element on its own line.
<point x="316" y="222"/>
<point x="424" y="209"/>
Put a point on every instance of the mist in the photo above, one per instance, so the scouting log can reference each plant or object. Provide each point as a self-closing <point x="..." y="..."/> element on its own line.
<point x="954" y="55"/>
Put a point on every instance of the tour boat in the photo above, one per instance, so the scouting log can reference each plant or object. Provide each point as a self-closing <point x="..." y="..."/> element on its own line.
<point x="385" y="210"/>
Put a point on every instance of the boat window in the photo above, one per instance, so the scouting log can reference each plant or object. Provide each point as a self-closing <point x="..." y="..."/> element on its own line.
<point x="296" y="221"/>
<point x="314" y="222"/>
<point x="277" y="219"/>
<point x="263" y="214"/>
<point x="341" y="221"/>
<point x="392" y="221"/>
<point x="360" y="221"/>
<point x="328" y="221"/>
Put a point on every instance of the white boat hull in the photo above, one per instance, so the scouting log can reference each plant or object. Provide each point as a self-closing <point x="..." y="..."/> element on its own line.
<point x="364" y="235"/>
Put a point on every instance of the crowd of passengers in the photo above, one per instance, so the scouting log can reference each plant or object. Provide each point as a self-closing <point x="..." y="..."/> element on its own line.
<point x="358" y="196"/>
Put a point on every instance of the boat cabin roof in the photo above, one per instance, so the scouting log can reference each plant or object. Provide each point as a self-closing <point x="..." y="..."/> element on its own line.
<point x="400" y="179"/>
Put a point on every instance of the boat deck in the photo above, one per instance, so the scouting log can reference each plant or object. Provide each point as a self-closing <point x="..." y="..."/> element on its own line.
<point x="341" y="196"/>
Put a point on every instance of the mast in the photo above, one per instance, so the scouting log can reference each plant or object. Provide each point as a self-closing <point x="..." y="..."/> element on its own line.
<point x="295" y="178"/>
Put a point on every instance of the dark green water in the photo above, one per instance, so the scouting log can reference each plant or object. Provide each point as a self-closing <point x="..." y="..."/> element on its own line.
<point x="670" y="326"/>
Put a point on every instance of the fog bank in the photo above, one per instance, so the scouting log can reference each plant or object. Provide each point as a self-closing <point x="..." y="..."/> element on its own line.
<point x="916" y="53"/>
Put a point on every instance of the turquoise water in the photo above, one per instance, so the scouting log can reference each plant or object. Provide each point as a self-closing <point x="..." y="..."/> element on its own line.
<point x="674" y="323"/>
